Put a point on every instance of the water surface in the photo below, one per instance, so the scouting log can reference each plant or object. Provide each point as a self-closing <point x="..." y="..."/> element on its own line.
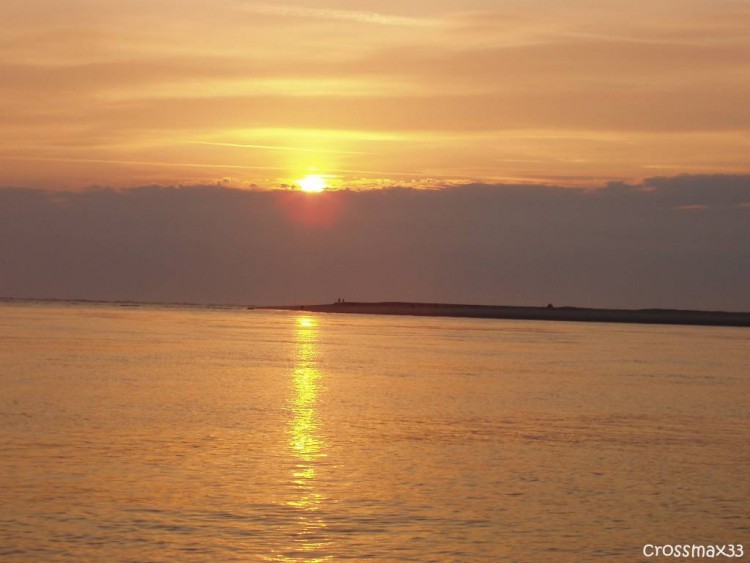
<point x="164" y="434"/>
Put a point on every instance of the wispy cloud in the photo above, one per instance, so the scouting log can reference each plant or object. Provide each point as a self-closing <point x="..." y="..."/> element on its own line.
<point x="392" y="173"/>
<point x="137" y="162"/>
<point x="274" y="147"/>
<point x="574" y="93"/>
<point x="335" y="14"/>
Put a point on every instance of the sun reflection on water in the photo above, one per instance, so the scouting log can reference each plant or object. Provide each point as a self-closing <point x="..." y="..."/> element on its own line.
<point x="306" y="445"/>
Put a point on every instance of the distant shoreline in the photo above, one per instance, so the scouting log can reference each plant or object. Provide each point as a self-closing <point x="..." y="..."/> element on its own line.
<point x="578" y="314"/>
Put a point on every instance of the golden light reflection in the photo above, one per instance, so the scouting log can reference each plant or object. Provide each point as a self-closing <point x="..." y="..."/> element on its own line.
<point x="306" y="445"/>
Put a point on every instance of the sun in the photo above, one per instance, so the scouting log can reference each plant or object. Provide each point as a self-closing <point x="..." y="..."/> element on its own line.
<point x="312" y="183"/>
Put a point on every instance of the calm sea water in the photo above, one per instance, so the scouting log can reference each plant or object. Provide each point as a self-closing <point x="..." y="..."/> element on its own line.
<point x="168" y="434"/>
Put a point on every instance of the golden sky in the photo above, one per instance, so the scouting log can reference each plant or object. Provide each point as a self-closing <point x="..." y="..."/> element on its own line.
<point x="382" y="93"/>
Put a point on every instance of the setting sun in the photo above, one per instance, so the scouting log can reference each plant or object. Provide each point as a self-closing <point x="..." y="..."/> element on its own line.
<point x="312" y="183"/>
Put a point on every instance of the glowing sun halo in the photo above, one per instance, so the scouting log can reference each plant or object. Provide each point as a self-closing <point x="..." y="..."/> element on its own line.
<point x="312" y="183"/>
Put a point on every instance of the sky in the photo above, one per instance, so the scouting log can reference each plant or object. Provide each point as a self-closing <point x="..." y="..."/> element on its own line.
<point x="486" y="151"/>
<point x="573" y="92"/>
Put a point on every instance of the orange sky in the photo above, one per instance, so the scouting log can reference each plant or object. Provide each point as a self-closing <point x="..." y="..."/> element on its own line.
<point x="376" y="93"/>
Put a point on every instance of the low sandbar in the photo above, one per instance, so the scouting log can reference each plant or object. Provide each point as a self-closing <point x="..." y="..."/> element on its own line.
<point x="549" y="313"/>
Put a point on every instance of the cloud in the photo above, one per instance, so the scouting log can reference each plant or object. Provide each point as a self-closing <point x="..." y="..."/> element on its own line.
<point x="334" y="14"/>
<point x="273" y="147"/>
<point x="473" y="90"/>
<point x="617" y="246"/>
<point x="699" y="189"/>
<point x="201" y="165"/>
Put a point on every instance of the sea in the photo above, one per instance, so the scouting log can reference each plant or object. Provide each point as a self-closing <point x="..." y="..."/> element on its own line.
<point x="168" y="433"/>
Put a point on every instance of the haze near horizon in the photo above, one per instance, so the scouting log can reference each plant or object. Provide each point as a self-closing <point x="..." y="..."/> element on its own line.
<point x="668" y="243"/>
